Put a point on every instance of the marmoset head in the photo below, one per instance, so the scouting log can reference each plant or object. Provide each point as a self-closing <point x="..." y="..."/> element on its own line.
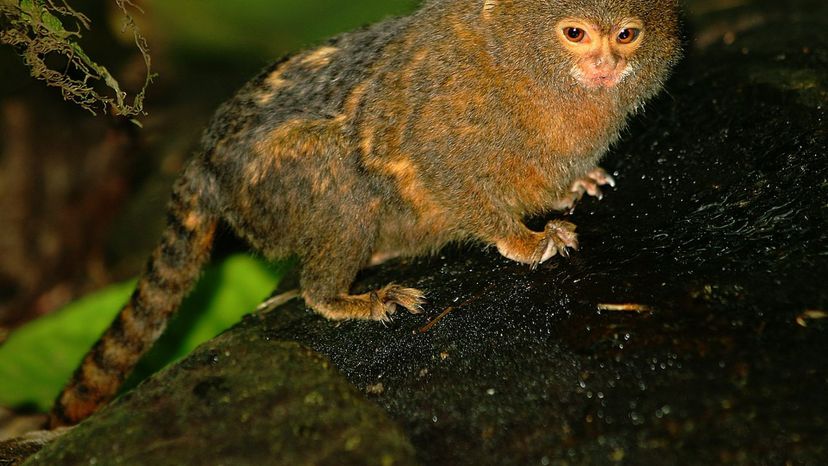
<point x="594" y="45"/>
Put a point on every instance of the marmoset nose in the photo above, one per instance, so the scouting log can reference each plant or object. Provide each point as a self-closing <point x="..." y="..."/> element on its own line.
<point x="604" y="64"/>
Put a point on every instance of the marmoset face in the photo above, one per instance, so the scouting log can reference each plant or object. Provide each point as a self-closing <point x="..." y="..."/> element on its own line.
<point x="602" y="56"/>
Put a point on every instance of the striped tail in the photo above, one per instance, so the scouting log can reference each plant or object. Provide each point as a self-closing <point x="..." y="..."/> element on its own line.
<point x="170" y="273"/>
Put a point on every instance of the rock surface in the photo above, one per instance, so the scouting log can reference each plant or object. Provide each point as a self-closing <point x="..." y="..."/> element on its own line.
<point x="690" y="328"/>
<point x="238" y="400"/>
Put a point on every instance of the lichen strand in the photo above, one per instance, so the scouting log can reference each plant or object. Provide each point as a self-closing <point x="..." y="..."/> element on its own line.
<point x="37" y="30"/>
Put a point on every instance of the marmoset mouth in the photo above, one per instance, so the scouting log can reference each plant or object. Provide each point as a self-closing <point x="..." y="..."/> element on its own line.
<point x="604" y="80"/>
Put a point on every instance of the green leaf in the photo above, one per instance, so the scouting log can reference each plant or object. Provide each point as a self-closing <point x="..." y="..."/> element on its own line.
<point x="38" y="359"/>
<point x="53" y="24"/>
<point x="36" y="14"/>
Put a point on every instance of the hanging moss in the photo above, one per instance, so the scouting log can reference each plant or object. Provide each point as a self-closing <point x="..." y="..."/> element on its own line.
<point x="46" y="34"/>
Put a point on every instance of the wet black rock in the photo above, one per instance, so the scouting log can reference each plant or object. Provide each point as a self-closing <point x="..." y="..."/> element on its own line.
<point x="690" y="328"/>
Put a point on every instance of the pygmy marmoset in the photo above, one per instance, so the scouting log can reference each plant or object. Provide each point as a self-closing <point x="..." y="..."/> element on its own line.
<point x="453" y="123"/>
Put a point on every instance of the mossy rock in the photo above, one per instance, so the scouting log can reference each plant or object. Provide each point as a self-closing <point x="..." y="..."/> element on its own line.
<point x="238" y="400"/>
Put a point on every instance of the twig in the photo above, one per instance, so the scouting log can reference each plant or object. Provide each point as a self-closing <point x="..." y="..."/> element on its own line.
<point x="810" y="314"/>
<point x="425" y="328"/>
<point x="625" y="307"/>
<point x="276" y="301"/>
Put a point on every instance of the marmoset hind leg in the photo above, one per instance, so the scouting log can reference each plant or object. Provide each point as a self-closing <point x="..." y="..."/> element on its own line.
<point x="169" y="274"/>
<point x="330" y="264"/>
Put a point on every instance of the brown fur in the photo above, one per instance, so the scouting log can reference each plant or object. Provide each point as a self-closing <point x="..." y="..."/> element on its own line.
<point x="451" y="124"/>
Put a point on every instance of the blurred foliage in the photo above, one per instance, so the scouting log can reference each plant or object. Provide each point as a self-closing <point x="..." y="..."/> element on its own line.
<point x="38" y="30"/>
<point x="38" y="358"/>
<point x="261" y="30"/>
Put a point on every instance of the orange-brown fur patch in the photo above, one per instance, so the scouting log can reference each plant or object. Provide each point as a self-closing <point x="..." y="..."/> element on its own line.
<point x="318" y="58"/>
<point x="488" y="8"/>
<point x="116" y="355"/>
<point x="520" y="248"/>
<point x="354" y="98"/>
<point x="192" y="220"/>
<point x="529" y="188"/>
<point x="413" y="190"/>
<point x="288" y="140"/>
<point x="298" y="138"/>
<point x="99" y="378"/>
<point x="204" y="242"/>
<point x="133" y="327"/>
<point x="466" y="35"/>
<point x="274" y="82"/>
<point x="151" y="295"/>
<point x="76" y="407"/>
<point x="579" y="129"/>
